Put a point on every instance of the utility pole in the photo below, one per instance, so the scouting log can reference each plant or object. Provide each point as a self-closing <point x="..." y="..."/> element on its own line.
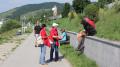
<point x="23" y="24"/>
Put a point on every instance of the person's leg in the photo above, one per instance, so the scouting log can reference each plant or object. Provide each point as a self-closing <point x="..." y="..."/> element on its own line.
<point x="51" y="52"/>
<point x="81" y="43"/>
<point x="80" y="38"/>
<point x="42" y="55"/>
<point x="36" y="36"/>
<point x="56" y="53"/>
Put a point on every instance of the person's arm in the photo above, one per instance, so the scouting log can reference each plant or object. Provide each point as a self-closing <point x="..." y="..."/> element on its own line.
<point x="63" y="35"/>
<point x="55" y="36"/>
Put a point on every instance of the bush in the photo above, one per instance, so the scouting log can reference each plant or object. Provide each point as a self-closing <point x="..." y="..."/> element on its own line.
<point x="72" y="15"/>
<point x="28" y="30"/>
<point x="4" y="37"/>
<point x="91" y="11"/>
<point x="9" y="25"/>
<point x="117" y="7"/>
<point x="82" y="15"/>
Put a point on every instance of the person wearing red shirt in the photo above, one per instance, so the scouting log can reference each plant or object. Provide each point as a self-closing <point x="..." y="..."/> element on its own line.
<point x="46" y="42"/>
<point x="55" y="42"/>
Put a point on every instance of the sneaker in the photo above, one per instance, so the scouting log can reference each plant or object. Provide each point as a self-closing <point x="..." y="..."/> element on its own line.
<point x="35" y="45"/>
<point x="56" y="60"/>
<point x="44" y="65"/>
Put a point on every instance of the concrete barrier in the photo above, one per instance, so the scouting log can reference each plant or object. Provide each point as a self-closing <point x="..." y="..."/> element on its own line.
<point x="106" y="53"/>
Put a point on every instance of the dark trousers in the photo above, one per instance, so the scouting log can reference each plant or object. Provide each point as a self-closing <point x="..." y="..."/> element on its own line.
<point x="54" y="47"/>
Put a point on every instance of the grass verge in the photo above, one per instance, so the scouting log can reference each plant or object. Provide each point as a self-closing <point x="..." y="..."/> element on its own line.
<point x="75" y="59"/>
<point x="4" y="37"/>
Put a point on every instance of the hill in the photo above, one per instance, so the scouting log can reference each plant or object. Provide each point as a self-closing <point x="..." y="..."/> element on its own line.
<point x="18" y="11"/>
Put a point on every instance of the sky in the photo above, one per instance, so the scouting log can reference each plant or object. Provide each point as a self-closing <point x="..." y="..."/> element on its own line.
<point x="6" y="5"/>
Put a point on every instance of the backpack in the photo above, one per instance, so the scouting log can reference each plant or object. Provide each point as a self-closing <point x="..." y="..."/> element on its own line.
<point x="89" y="27"/>
<point x="91" y="31"/>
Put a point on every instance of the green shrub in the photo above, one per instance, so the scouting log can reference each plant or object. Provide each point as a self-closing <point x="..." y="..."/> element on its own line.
<point x="108" y="25"/>
<point x="73" y="25"/>
<point x="9" y="25"/>
<point x="81" y="15"/>
<point x="91" y="11"/>
<point x="117" y="7"/>
<point x="28" y="30"/>
<point x="72" y="15"/>
<point x="4" y="37"/>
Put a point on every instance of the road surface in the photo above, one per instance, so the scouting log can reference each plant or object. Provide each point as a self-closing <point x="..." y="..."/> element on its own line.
<point x="26" y="55"/>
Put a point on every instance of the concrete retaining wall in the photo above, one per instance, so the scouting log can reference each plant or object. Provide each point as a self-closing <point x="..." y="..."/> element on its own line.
<point x="104" y="52"/>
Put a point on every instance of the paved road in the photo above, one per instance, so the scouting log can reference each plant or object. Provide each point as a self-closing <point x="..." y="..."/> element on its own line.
<point x="28" y="56"/>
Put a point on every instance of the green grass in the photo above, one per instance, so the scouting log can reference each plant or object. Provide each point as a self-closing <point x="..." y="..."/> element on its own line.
<point x="4" y="37"/>
<point x="29" y="30"/>
<point x="75" y="59"/>
<point x="109" y="25"/>
<point x="73" y="25"/>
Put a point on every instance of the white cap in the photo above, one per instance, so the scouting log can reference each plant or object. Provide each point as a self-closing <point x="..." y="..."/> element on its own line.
<point x="54" y="24"/>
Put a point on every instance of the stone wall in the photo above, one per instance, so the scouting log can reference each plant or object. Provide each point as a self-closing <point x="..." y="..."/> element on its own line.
<point x="106" y="53"/>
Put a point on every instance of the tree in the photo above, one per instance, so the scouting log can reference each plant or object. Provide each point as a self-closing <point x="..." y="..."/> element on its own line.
<point x="91" y="11"/>
<point x="9" y="25"/>
<point x="79" y="5"/>
<point x="104" y="2"/>
<point x="66" y="10"/>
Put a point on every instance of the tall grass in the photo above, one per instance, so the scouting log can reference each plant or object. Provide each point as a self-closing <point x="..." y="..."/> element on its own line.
<point x="107" y="27"/>
<point x="4" y="37"/>
<point x="70" y="25"/>
<point x="29" y="30"/>
<point x="109" y="24"/>
<point x="75" y="59"/>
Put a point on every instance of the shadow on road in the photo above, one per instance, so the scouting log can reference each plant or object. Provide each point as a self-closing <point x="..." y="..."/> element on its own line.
<point x="60" y="58"/>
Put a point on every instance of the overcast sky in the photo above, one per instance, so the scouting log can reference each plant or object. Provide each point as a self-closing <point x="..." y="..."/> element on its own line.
<point x="9" y="4"/>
